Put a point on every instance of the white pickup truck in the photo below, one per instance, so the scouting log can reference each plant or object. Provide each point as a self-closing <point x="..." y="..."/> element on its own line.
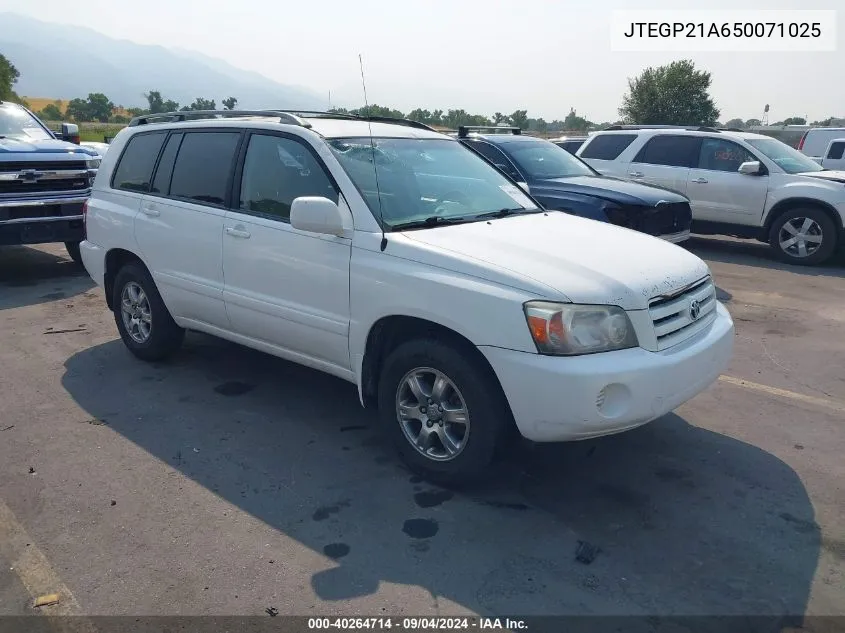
<point x="834" y="155"/>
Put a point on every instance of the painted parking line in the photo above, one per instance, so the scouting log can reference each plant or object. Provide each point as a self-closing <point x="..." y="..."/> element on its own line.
<point x="826" y="403"/>
<point x="38" y="576"/>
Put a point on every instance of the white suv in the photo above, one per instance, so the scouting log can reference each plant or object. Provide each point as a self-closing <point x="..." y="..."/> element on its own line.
<point x="740" y="184"/>
<point x="393" y="257"/>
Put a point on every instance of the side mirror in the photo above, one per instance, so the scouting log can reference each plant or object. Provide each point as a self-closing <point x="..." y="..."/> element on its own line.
<point x="751" y="168"/>
<point x="70" y="132"/>
<point x="316" y="214"/>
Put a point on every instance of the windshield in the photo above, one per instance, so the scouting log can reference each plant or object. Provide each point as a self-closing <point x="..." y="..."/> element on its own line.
<point x="426" y="179"/>
<point x="541" y="159"/>
<point x="790" y="160"/>
<point x="18" y="123"/>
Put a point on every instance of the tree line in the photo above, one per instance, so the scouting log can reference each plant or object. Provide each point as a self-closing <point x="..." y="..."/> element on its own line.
<point x="673" y="94"/>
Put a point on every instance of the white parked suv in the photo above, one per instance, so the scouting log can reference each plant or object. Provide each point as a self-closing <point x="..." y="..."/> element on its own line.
<point x="740" y="184"/>
<point x="404" y="263"/>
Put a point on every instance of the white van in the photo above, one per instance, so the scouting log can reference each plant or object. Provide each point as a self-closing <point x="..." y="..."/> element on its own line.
<point x="834" y="155"/>
<point x="816" y="140"/>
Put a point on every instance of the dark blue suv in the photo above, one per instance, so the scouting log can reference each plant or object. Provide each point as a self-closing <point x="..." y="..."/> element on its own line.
<point x="563" y="182"/>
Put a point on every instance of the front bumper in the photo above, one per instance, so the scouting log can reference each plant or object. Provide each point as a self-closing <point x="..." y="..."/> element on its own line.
<point x="557" y="398"/>
<point x="41" y="221"/>
<point x="676" y="238"/>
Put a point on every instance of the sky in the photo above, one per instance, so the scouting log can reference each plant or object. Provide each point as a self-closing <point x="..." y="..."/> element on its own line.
<point x="484" y="56"/>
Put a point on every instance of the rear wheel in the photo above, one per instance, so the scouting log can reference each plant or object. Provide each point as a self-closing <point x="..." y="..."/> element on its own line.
<point x="804" y="236"/>
<point x="442" y="410"/>
<point x="73" y="250"/>
<point x="144" y="323"/>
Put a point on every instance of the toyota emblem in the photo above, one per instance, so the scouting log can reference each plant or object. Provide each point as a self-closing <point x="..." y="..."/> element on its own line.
<point x="694" y="309"/>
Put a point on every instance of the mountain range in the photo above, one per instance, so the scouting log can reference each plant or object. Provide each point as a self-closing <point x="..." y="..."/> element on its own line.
<point x="64" y="62"/>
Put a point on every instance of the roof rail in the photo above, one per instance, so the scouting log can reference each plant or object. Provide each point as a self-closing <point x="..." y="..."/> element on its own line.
<point x="464" y="130"/>
<point x="184" y="115"/>
<point x="388" y="119"/>
<point x="691" y="128"/>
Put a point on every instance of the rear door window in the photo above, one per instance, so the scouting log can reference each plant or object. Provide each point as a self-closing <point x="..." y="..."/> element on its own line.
<point x="837" y="149"/>
<point x="607" y="146"/>
<point x="161" y="181"/>
<point x="203" y="167"/>
<point x="671" y="151"/>
<point x="135" y="169"/>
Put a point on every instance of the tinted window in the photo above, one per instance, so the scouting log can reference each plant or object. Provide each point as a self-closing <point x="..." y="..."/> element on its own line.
<point x="570" y="146"/>
<point x="674" y="151"/>
<point x="495" y="156"/>
<point x="201" y="172"/>
<point x="836" y="150"/>
<point x="135" y="168"/>
<point x="541" y="159"/>
<point x="276" y="171"/>
<point x="161" y="182"/>
<point x="721" y="155"/>
<point x="607" y="146"/>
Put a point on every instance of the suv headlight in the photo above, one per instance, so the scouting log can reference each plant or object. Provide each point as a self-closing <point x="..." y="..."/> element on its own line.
<point x="93" y="163"/>
<point x="567" y="329"/>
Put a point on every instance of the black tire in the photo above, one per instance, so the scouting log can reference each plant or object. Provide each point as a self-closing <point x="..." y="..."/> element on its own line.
<point x="828" y="233"/>
<point x="486" y="406"/>
<point x="73" y="250"/>
<point x="164" y="337"/>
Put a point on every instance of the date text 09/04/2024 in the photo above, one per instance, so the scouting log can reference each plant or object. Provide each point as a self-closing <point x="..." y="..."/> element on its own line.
<point x="417" y="624"/>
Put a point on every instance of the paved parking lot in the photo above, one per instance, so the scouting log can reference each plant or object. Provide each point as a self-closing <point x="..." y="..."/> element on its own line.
<point x="229" y="482"/>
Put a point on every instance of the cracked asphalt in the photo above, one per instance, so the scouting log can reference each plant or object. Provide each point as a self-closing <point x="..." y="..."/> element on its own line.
<point x="228" y="482"/>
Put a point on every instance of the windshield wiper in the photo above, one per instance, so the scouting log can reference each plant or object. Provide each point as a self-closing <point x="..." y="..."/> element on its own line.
<point x="429" y="222"/>
<point x="502" y="213"/>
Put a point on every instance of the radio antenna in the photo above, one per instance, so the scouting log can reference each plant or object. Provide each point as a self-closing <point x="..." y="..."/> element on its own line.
<point x="373" y="149"/>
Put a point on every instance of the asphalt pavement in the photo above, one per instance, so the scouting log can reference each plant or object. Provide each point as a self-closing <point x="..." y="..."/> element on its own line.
<point x="229" y="482"/>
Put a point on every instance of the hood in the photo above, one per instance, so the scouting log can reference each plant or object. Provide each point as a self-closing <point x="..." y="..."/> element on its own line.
<point x="612" y="189"/>
<point x="46" y="146"/>
<point x="582" y="260"/>
<point x="827" y="174"/>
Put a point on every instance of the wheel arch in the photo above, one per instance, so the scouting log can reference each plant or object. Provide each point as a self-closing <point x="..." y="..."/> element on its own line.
<point x="791" y="203"/>
<point x="391" y="331"/>
<point x="117" y="258"/>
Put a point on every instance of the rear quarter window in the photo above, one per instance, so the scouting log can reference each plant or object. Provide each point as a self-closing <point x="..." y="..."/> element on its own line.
<point x="607" y="146"/>
<point x="135" y="168"/>
<point x="837" y="149"/>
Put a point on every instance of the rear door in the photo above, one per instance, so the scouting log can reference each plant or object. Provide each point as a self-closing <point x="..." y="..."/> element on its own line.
<point x="180" y="227"/>
<point x="665" y="160"/>
<point x="716" y="189"/>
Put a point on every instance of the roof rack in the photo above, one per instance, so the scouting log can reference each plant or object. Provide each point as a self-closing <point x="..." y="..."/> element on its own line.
<point x="464" y="130"/>
<point x="388" y="119"/>
<point x="691" y="128"/>
<point x="184" y="115"/>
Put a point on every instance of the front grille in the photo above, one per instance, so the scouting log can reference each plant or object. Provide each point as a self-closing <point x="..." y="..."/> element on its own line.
<point x="660" y="219"/>
<point x="675" y="318"/>
<point x="53" y="165"/>
<point x="32" y="177"/>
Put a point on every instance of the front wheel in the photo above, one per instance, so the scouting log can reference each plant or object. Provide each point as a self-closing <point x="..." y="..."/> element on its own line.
<point x="73" y="250"/>
<point x="804" y="236"/>
<point x="442" y="410"/>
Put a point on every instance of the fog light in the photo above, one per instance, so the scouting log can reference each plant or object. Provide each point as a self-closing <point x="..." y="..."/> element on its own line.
<point x="613" y="400"/>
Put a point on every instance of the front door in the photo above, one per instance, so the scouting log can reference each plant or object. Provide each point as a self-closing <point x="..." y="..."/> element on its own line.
<point x="718" y="192"/>
<point x="286" y="287"/>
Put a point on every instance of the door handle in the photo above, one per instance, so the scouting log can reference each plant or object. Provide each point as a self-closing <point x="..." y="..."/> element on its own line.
<point x="700" y="181"/>
<point x="238" y="231"/>
<point x="148" y="208"/>
<point x="635" y="174"/>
